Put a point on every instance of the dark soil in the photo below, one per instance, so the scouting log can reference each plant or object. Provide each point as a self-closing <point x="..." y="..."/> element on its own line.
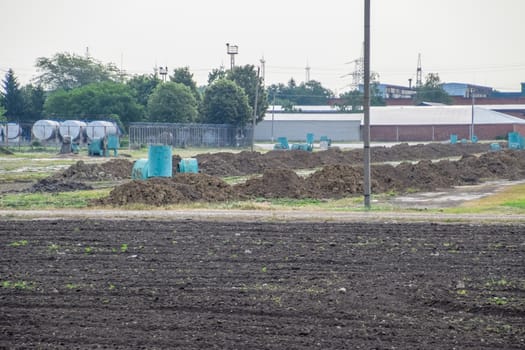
<point x="75" y="177"/>
<point x="332" y="181"/>
<point x="341" y="174"/>
<point x="55" y="185"/>
<point x="164" y="191"/>
<point x="114" y="169"/>
<point x="246" y="163"/>
<point x="203" y="285"/>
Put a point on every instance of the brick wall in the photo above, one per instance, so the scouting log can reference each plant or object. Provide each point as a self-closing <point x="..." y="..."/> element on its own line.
<point x="437" y="133"/>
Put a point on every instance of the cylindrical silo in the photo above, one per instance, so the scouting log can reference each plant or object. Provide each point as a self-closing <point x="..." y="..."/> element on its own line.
<point x="44" y="130"/>
<point x="99" y="128"/>
<point x="72" y="128"/>
<point x="12" y="132"/>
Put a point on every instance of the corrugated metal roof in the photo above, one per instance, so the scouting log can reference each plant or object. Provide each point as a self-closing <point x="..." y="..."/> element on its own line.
<point x="314" y="116"/>
<point x="438" y="115"/>
<point x="410" y="115"/>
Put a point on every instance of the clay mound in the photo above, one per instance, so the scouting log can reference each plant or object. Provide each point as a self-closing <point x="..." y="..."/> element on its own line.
<point x="247" y="163"/>
<point x="114" y="169"/>
<point x="182" y="188"/>
<point x="53" y="185"/>
<point x="275" y="183"/>
<point x="219" y="164"/>
<point x="332" y="181"/>
<point x="205" y="187"/>
<point x="336" y="181"/>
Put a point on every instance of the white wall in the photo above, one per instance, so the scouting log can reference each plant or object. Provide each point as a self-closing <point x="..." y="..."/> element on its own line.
<point x="296" y="130"/>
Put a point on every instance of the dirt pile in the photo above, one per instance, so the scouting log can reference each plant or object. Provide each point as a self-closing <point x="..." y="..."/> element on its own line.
<point x="246" y="163"/>
<point x="114" y="169"/>
<point x="182" y="188"/>
<point x="72" y="178"/>
<point x="275" y="183"/>
<point x="332" y="181"/>
<point x="53" y="185"/>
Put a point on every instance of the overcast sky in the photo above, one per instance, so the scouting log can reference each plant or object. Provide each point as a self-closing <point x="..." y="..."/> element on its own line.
<point x="473" y="41"/>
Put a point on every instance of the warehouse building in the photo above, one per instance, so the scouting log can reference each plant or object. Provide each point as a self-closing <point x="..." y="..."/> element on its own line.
<point x="391" y="124"/>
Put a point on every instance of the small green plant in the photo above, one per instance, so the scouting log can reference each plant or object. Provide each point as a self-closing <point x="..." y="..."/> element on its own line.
<point x="88" y="250"/>
<point x="462" y="292"/>
<point x="123" y="248"/>
<point x="18" y="243"/>
<point x="23" y="285"/>
<point x="72" y="286"/>
<point x="277" y="300"/>
<point x="53" y="247"/>
<point x="264" y="269"/>
<point x="498" y="300"/>
<point x="111" y="286"/>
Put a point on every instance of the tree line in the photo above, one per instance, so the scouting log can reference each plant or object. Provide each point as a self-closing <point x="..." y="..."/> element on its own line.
<point x="69" y="86"/>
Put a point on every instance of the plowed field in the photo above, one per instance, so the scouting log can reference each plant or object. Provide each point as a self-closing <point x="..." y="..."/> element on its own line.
<point x="68" y="284"/>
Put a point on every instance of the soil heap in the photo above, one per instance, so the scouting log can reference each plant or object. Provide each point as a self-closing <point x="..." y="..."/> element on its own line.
<point x="332" y="181"/>
<point x="181" y="188"/>
<point x="114" y="169"/>
<point x="247" y="163"/>
<point x="72" y="178"/>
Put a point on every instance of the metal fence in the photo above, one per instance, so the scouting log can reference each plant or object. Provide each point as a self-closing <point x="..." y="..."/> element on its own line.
<point x="189" y="135"/>
<point x="15" y="134"/>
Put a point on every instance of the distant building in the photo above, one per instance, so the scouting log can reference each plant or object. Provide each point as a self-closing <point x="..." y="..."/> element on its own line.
<point x="389" y="91"/>
<point x="466" y="90"/>
<point x="391" y="124"/>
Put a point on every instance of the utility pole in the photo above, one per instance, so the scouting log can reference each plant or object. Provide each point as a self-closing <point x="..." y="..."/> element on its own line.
<point x="366" y="108"/>
<point x="419" y="73"/>
<point x="263" y="69"/>
<point x="307" y="70"/>
<point x="472" y="114"/>
<point x="255" y="107"/>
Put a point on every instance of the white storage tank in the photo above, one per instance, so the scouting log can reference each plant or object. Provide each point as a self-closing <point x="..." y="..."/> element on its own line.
<point x="72" y="128"/>
<point x="45" y="129"/>
<point x="12" y="131"/>
<point x="99" y="128"/>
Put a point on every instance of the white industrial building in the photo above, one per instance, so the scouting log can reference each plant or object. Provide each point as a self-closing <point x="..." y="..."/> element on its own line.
<point x="392" y="123"/>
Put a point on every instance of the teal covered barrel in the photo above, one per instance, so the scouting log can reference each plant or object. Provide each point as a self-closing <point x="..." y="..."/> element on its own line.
<point x="140" y="169"/>
<point x="160" y="161"/>
<point x="188" y="165"/>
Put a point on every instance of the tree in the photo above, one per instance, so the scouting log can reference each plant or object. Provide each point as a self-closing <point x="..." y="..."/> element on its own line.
<point x="142" y="87"/>
<point x="98" y="100"/>
<point x="34" y="99"/>
<point x="12" y="98"/>
<point x="173" y="103"/>
<point x="67" y="71"/>
<point x="352" y="99"/>
<point x="2" y="114"/>
<point x="355" y="98"/>
<point x="183" y="76"/>
<point x="247" y="78"/>
<point x="310" y="93"/>
<point x="226" y="103"/>
<point x="216" y="74"/>
<point x="432" y="91"/>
